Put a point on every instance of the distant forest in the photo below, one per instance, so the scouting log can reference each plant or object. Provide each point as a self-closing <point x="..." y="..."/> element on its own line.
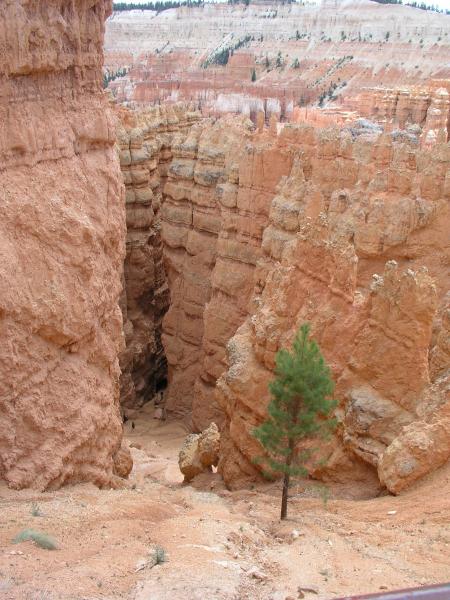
<point x="158" y="6"/>
<point x="414" y="4"/>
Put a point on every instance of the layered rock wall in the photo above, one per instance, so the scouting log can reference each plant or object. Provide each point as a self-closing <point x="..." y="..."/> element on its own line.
<point x="216" y="205"/>
<point x="299" y="52"/>
<point x="358" y="246"/>
<point x="145" y="140"/>
<point x="425" y="106"/>
<point x="62" y="242"/>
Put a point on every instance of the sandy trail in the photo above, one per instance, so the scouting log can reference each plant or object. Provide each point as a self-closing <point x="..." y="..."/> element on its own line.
<point x="220" y="544"/>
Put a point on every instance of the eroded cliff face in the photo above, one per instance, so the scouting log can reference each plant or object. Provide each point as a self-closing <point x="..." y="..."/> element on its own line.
<point x="263" y="230"/>
<point x="358" y="246"/>
<point x="62" y="234"/>
<point x="217" y="199"/>
<point x="300" y="53"/>
<point x="145" y="139"/>
<point x="427" y="107"/>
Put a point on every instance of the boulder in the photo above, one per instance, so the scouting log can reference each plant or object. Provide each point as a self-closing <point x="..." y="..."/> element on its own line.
<point x="199" y="452"/>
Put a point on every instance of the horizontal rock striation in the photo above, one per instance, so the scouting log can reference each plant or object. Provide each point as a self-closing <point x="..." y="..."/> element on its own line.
<point x="425" y="106"/>
<point x="357" y="245"/>
<point x="300" y="53"/>
<point x="62" y="242"/>
<point x="217" y="197"/>
<point x="145" y="139"/>
<point x="191" y="221"/>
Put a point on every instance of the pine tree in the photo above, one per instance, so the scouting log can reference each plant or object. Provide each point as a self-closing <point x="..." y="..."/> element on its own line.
<point x="298" y="409"/>
<point x="253" y="75"/>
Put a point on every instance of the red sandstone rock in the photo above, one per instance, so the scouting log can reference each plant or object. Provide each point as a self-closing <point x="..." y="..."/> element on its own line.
<point x="199" y="452"/>
<point x="62" y="241"/>
<point x="336" y="54"/>
<point x="336" y="220"/>
<point x="123" y="463"/>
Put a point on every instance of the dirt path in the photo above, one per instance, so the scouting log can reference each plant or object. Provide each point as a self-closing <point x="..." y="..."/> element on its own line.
<point x="219" y="544"/>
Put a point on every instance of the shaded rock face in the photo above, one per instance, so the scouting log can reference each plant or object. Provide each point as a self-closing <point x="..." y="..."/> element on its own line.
<point x="62" y="242"/>
<point x="145" y="140"/>
<point x="357" y="246"/>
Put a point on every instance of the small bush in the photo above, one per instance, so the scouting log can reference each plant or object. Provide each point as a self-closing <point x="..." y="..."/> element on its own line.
<point x="40" y="539"/>
<point x="36" y="511"/>
<point x="159" y="555"/>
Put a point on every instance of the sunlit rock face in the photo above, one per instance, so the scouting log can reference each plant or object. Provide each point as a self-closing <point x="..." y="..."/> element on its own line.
<point x="62" y="245"/>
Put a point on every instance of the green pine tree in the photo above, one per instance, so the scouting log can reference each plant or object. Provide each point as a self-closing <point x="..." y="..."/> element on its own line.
<point x="253" y="75"/>
<point x="300" y="407"/>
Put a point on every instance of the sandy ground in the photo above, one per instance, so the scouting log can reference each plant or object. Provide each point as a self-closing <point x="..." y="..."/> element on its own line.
<point x="219" y="544"/>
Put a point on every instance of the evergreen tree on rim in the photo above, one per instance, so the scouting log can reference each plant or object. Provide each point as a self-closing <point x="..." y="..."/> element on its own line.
<point x="299" y="409"/>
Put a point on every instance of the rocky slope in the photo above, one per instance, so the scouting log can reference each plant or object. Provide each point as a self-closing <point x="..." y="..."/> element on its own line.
<point x="299" y="53"/>
<point x="221" y="545"/>
<point x="62" y="234"/>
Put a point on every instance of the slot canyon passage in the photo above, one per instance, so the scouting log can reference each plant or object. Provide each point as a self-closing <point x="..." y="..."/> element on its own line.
<point x="154" y="258"/>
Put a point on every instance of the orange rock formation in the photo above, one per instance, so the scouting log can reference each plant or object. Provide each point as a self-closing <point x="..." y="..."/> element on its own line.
<point x="358" y="245"/>
<point x="298" y="52"/>
<point x="62" y="241"/>
<point x="262" y="231"/>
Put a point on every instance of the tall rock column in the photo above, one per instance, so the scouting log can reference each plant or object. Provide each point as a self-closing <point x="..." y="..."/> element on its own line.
<point x="62" y="246"/>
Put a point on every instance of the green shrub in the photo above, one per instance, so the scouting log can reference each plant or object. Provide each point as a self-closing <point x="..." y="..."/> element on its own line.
<point x="36" y="511"/>
<point x="40" y="539"/>
<point x="159" y="555"/>
<point x="299" y="409"/>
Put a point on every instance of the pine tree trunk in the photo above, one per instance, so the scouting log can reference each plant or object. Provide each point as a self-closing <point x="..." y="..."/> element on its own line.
<point x="284" y="497"/>
<point x="286" y="480"/>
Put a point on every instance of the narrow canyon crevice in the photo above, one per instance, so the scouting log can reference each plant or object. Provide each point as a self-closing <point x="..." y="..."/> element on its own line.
<point x="197" y="185"/>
